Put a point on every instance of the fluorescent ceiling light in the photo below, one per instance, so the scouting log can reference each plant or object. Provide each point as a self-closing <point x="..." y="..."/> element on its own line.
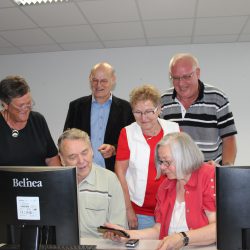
<point x="26" y="2"/>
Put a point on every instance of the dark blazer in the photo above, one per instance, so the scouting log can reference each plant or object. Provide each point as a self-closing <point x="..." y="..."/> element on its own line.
<point x="120" y="115"/>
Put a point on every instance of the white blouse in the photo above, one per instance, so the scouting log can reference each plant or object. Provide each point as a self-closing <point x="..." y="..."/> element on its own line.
<point x="178" y="221"/>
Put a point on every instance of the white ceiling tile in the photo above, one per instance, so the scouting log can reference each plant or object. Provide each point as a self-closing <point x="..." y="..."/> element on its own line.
<point x="169" y="40"/>
<point x="94" y="24"/>
<point x="119" y="31"/>
<point x="12" y="18"/>
<point x="4" y="43"/>
<point x="168" y="28"/>
<point x="6" y="3"/>
<point x="166" y="9"/>
<point x="125" y="43"/>
<point x="10" y="51"/>
<point x="26" y="37"/>
<point x="216" y="39"/>
<point x="81" y="46"/>
<point x="110" y="11"/>
<point x="244" y="38"/>
<point x="79" y="33"/>
<point x="55" y="15"/>
<point x="41" y="48"/>
<point x="215" y="8"/>
<point x="219" y="25"/>
<point x="246" y="29"/>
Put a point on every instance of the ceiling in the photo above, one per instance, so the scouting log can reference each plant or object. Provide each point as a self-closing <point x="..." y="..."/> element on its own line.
<point x="97" y="24"/>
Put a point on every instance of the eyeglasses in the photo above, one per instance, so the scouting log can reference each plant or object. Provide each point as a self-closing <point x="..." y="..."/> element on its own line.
<point x="102" y="81"/>
<point x="24" y="106"/>
<point x="165" y="163"/>
<point x="184" y="77"/>
<point x="146" y="113"/>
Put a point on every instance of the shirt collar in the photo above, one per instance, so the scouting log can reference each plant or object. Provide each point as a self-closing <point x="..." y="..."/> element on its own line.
<point x="109" y="100"/>
<point x="201" y="91"/>
<point x="90" y="179"/>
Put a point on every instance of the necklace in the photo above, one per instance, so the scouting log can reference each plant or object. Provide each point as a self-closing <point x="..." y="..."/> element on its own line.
<point x="149" y="138"/>
<point x="14" y="133"/>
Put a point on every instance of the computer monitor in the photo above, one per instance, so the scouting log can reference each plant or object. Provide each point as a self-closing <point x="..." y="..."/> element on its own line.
<point x="233" y="207"/>
<point x="39" y="198"/>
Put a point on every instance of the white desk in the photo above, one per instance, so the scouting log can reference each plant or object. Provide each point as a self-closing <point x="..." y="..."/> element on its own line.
<point x="105" y="244"/>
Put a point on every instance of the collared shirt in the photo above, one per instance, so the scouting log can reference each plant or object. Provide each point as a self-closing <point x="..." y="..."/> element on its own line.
<point x="98" y="123"/>
<point x="208" y="120"/>
<point x="100" y="200"/>
<point x="199" y="196"/>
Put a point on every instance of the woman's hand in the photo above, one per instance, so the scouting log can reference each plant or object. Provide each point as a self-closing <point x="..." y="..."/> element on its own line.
<point x="172" y="242"/>
<point x="112" y="236"/>
<point x="132" y="218"/>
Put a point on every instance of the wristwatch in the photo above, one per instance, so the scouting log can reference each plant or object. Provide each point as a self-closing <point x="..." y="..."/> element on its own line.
<point x="185" y="239"/>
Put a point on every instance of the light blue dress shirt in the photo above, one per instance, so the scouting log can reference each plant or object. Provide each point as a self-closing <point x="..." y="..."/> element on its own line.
<point x="98" y="123"/>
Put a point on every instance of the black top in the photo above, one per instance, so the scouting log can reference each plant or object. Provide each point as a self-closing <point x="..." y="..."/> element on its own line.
<point x="120" y="115"/>
<point x="32" y="146"/>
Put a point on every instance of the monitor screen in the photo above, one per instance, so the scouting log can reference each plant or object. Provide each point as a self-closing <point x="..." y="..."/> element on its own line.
<point x="41" y="197"/>
<point x="233" y="207"/>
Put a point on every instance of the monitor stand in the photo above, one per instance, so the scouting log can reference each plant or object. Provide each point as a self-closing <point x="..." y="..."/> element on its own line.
<point x="29" y="237"/>
<point x="246" y="238"/>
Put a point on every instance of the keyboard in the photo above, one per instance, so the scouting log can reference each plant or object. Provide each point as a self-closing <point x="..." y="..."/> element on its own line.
<point x="52" y="247"/>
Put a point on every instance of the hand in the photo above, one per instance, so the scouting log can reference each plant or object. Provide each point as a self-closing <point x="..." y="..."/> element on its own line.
<point x="107" y="150"/>
<point x="172" y="242"/>
<point x="213" y="163"/>
<point x="112" y="236"/>
<point x="132" y="218"/>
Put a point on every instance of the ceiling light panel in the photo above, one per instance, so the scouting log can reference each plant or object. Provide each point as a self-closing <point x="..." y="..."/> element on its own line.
<point x="28" y="2"/>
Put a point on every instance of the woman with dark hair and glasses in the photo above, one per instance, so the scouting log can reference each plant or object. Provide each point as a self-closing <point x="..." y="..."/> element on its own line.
<point x="186" y="210"/>
<point x="25" y="139"/>
<point x="135" y="164"/>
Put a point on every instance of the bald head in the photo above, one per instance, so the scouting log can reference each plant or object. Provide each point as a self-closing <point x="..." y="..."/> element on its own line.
<point x="183" y="57"/>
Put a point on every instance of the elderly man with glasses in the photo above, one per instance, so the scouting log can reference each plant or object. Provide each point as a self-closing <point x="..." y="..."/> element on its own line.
<point x="101" y="114"/>
<point x="201" y="110"/>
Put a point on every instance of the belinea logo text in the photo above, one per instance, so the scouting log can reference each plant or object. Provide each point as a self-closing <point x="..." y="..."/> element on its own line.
<point x="25" y="182"/>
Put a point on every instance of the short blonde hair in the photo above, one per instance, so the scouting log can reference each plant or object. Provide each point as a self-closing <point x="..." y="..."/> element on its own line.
<point x="144" y="93"/>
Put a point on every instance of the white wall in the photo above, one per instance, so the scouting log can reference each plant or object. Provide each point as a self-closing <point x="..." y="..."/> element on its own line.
<point x="57" y="78"/>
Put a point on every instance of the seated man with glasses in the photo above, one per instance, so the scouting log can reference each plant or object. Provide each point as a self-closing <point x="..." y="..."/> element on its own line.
<point x="25" y="138"/>
<point x="201" y="110"/>
<point x="135" y="158"/>
<point x="101" y="114"/>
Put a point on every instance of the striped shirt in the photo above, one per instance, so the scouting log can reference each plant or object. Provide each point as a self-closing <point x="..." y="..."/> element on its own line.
<point x="207" y="120"/>
<point x="100" y="200"/>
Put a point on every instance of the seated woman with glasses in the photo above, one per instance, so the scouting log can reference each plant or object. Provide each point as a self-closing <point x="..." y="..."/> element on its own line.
<point x="186" y="210"/>
<point x="25" y="139"/>
<point x="135" y="161"/>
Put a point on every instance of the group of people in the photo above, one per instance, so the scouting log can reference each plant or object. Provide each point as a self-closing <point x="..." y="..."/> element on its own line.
<point x="146" y="166"/>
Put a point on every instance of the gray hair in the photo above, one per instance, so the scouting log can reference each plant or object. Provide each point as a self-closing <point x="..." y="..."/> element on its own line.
<point x="181" y="56"/>
<point x="13" y="87"/>
<point x="186" y="155"/>
<point x="73" y="134"/>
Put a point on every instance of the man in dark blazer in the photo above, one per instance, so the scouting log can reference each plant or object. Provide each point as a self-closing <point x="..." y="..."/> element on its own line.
<point x="101" y="115"/>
